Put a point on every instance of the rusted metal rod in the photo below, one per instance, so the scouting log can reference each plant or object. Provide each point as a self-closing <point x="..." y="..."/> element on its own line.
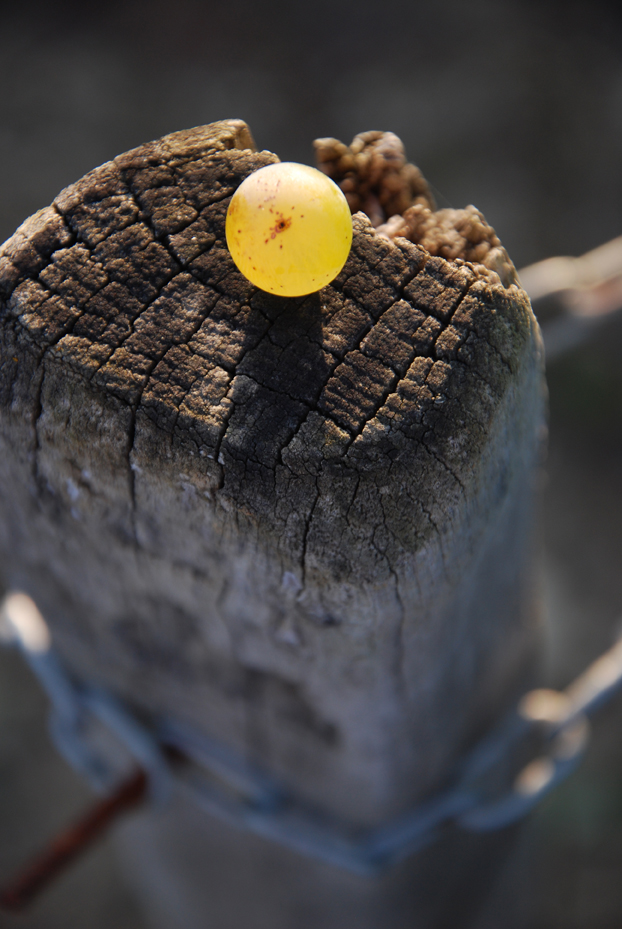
<point x="30" y="880"/>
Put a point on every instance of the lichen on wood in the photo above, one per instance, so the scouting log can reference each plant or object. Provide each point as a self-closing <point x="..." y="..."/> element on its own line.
<point x="376" y="178"/>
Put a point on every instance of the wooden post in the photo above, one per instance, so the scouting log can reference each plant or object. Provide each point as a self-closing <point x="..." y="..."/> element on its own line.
<point x="300" y="525"/>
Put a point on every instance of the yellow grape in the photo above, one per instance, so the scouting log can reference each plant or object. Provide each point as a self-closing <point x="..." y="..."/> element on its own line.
<point x="289" y="229"/>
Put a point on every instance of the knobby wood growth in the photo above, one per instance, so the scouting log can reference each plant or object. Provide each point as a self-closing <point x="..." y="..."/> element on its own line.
<point x="301" y="524"/>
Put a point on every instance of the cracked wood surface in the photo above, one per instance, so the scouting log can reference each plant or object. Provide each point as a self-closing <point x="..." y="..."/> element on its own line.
<point x="301" y="524"/>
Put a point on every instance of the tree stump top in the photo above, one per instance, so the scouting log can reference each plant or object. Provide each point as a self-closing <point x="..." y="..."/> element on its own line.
<point x="355" y="414"/>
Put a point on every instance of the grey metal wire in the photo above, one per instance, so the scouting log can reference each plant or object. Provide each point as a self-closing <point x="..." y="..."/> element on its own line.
<point x="497" y="783"/>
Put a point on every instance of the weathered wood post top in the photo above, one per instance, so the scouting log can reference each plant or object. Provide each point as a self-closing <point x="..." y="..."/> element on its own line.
<point x="299" y="524"/>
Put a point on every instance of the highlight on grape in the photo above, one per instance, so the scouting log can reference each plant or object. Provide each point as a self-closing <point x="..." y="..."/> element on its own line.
<point x="289" y="229"/>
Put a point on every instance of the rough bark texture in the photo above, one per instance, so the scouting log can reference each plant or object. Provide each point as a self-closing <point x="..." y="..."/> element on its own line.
<point x="299" y="524"/>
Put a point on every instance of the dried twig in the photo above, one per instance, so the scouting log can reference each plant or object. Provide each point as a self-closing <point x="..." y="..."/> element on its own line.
<point x="590" y="285"/>
<point x="588" y="289"/>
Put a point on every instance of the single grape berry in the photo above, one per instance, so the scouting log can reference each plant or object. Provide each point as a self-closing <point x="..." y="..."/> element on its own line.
<point x="289" y="229"/>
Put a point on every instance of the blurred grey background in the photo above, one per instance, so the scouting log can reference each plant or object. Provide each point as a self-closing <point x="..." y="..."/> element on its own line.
<point x="513" y="106"/>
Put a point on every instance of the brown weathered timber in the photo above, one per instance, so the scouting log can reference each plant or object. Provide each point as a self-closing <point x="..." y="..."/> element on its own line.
<point x="299" y="524"/>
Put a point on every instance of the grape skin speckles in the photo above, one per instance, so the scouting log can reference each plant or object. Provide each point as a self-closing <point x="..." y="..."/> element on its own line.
<point x="289" y="229"/>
